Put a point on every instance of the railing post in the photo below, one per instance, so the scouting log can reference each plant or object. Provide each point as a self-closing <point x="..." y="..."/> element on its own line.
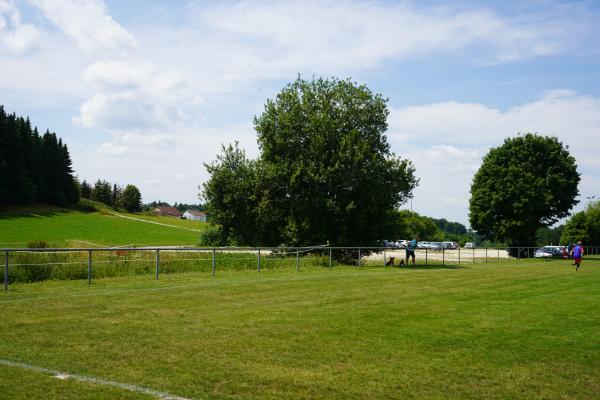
<point x="258" y="260"/>
<point x="330" y="259"/>
<point x="6" y="255"/>
<point x="157" y="262"/>
<point x="214" y="263"/>
<point x="358" y="261"/>
<point x="89" y="267"/>
<point x="297" y="260"/>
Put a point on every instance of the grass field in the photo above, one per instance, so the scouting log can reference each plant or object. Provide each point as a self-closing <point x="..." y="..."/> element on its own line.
<point x="503" y="331"/>
<point x="65" y="227"/>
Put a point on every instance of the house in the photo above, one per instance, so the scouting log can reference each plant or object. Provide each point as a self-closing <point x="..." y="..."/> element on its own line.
<point x="195" y="215"/>
<point x="166" y="211"/>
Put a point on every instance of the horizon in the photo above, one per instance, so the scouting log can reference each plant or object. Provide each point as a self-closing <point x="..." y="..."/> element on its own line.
<point x="145" y="92"/>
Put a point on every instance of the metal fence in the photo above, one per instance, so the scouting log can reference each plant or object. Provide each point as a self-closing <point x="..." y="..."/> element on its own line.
<point x="29" y="265"/>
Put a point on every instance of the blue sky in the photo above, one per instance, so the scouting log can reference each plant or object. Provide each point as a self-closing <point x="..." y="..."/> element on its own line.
<point x="145" y="92"/>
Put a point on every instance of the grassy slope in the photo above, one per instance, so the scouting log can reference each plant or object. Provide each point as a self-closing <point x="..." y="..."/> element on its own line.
<point x="487" y="331"/>
<point x="58" y="226"/>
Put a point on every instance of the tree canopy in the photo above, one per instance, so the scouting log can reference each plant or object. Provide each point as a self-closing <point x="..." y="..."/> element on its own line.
<point x="583" y="226"/>
<point x="325" y="171"/>
<point x="527" y="183"/>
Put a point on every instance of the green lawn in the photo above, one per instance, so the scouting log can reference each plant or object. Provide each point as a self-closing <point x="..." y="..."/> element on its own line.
<point x="65" y="228"/>
<point x="498" y="331"/>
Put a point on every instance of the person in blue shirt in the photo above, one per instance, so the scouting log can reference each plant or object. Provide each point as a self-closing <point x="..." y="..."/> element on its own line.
<point x="577" y="255"/>
<point x="410" y="250"/>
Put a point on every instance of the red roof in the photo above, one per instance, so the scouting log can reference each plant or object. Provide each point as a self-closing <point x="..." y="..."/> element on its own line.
<point x="167" y="210"/>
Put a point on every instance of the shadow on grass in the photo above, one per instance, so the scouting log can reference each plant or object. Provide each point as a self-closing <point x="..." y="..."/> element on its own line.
<point x="423" y="266"/>
<point x="42" y="210"/>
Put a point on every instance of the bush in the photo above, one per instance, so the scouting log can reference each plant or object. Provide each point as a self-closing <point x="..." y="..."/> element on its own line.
<point x="37" y="244"/>
<point x="210" y="237"/>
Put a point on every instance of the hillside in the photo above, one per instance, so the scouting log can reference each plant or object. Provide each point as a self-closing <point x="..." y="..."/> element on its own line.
<point x="61" y="227"/>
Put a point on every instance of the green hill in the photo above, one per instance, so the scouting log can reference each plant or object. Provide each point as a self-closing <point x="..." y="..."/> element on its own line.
<point x="73" y="228"/>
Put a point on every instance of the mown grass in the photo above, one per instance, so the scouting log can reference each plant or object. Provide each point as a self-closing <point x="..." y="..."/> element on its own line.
<point x="62" y="228"/>
<point x="508" y="330"/>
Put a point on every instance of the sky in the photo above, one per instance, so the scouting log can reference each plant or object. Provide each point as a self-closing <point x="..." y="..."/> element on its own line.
<point x="145" y="92"/>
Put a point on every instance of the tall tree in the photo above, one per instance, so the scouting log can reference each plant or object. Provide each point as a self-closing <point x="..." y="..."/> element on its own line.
<point x="527" y="183"/>
<point x="325" y="173"/>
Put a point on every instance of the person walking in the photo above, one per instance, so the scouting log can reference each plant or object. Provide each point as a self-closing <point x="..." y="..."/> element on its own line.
<point x="410" y="250"/>
<point x="577" y="255"/>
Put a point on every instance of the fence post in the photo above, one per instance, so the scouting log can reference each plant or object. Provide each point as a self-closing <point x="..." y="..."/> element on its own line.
<point x="443" y="256"/>
<point x="518" y="253"/>
<point x="214" y="263"/>
<point x="426" y="254"/>
<point x="330" y="259"/>
<point x="486" y="255"/>
<point x="459" y="255"/>
<point x="89" y="267"/>
<point x="157" y="262"/>
<point x="384" y="263"/>
<point x="297" y="260"/>
<point x="6" y="253"/>
<point x="358" y="261"/>
<point x="498" y="254"/>
<point x="258" y="260"/>
<point x="473" y="255"/>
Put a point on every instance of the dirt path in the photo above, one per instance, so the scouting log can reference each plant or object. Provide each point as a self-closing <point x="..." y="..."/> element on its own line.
<point x="156" y="223"/>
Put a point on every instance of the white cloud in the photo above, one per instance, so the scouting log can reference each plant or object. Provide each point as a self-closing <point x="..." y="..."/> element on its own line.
<point x="447" y="142"/>
<point x="88" y="23"/>
<point x="275" y="39"/>
<point x="135" y="97"/>
<point x="180" y="177"/>
<point x="15" y="36"/>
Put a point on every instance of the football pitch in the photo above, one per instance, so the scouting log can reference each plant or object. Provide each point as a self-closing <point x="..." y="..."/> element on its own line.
<point x="528" y="329"/>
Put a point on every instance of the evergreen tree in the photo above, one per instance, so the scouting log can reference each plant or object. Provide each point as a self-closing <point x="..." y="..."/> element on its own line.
<point x="102" y="192"/>
<point x="33" y="168"/>
<point x="85" y="190"/>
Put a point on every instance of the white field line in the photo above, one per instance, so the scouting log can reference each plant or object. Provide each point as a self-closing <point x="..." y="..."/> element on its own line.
<point x="156" y="223"/>
<point x="96" y="381"/>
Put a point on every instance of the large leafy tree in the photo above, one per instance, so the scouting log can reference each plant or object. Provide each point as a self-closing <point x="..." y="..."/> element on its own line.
<point x="325" y="172"/>
<point x="584" y="226"/>
<point x="527" y="183"/>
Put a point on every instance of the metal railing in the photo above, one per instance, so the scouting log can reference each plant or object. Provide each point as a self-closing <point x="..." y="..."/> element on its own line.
<point x="43" y="261"/>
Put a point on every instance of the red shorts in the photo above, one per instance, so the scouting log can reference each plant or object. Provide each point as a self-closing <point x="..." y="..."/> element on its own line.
<point x="577" y="260"/>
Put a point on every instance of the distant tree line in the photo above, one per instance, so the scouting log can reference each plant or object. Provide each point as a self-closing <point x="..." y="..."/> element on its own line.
<point x="34" y="168"/>
<point x="113" y="195"/>
<point x="179" y="206"/>
<point x="411" y="224"/>
<point x="583" y="226"/>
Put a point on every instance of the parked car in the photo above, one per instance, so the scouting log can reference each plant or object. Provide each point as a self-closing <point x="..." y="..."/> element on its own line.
<point x="469" y="245"/>
<point x="449" y="245"/>
<point x="543" y="253"/>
